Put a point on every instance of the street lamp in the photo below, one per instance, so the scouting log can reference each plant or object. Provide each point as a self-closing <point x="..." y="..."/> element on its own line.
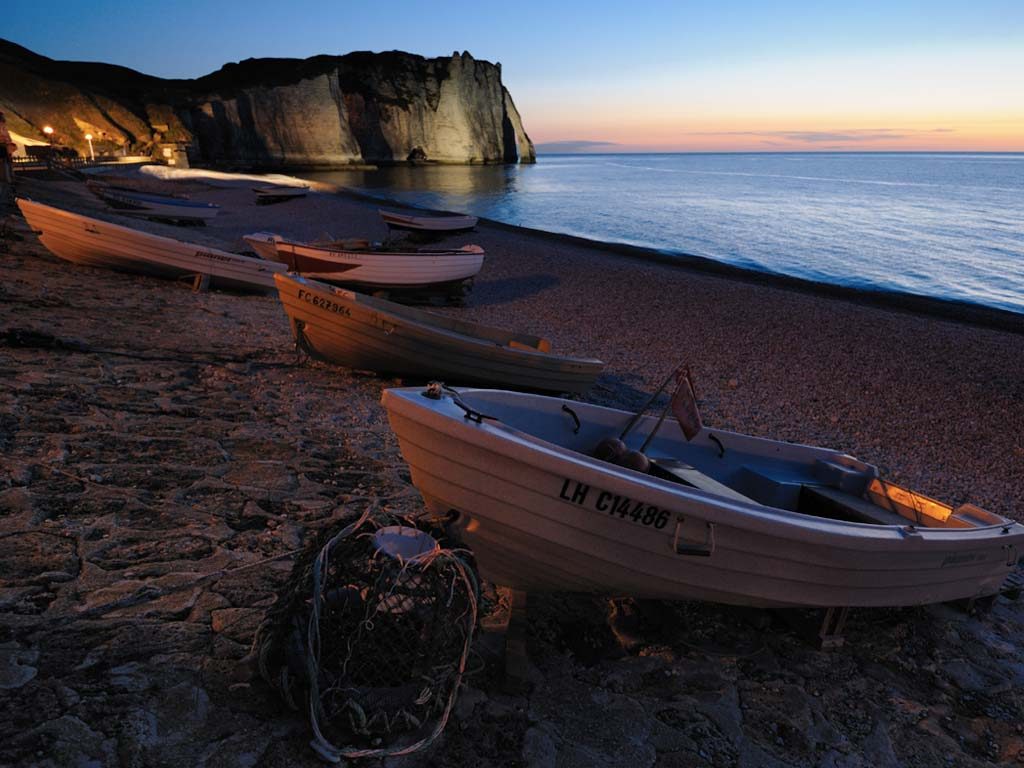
<point x="88" y="137"/>
<point x="49" y="133"/>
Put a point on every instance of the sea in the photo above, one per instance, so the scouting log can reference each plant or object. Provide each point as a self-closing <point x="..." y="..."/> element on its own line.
<point x="941" y="225"/>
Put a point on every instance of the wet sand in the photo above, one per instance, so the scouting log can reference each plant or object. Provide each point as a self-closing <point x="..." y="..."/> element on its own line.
<point x="172" y="435"/>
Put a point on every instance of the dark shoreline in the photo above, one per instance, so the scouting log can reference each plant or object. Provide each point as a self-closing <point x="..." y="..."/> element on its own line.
<point x="910" y="303"/>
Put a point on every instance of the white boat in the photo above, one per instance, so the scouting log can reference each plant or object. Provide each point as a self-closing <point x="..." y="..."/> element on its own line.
<point x="743" y="520"/>
<point x="95" y="243"/>
<point x="263" y="244"/>
<point x="278" y="193"/>
<point x="422" y="271"/>
<point x="367" y="333"/>
<point x="129" y="202"/>
<point x="428" y="222"/>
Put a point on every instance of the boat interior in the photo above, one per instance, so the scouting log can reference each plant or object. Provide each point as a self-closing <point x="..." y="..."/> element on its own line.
<point x="329" y="244"/>
<point x="804" y="479"/>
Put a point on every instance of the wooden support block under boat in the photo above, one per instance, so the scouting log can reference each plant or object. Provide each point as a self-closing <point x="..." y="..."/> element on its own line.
<point x="517" y="660"/>
<point x="823" y="628"/>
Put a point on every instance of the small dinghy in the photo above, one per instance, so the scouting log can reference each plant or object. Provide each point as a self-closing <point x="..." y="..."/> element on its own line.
<point x="728" y="517"/>
<point x="95" y="243"/>
<point x="129" y="202"/>
<point x="263" y="244"/>
<point x="366" y="333"/>
<point x="441" y="223"/>
<point x="421" y="273"/>
<point x="278" y="193"/>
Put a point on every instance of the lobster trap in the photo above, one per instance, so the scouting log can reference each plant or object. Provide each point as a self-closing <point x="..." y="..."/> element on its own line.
<point x="371" y="637"/>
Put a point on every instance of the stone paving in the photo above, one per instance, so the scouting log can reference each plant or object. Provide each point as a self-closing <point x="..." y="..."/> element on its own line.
<point x="158" y="448"/>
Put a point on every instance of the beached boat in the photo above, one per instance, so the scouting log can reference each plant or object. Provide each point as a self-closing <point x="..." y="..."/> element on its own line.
<point x="95" y="243"/>
<point x="278" y="193"/>
<point x="363" y="332"/>
<point x="729" y="518"/>
<point x="422" y="271"/>
<point x="440" y="223"/>
<point x="129" y="202"/>
<point x="264" y="244"/>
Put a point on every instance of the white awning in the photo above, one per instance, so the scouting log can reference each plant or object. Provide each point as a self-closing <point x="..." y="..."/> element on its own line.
<point x="24" y="141"/>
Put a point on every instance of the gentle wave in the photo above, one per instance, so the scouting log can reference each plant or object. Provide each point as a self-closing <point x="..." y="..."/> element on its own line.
<point x="948" y="226"/>
<point x="829" y="179"/>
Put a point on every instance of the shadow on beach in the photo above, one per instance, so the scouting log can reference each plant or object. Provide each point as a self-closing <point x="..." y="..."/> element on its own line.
<point x="491" y="293"/>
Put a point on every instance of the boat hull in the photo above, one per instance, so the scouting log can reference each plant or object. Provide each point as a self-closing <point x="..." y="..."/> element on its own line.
<point x="96" y="243"/>
<point x="360" y="332"/>
<point x="540" y="518"/>
<point x="263" y="244"/>
<point x="278" y="194"/>
<point x="434" y="224"/>
<point x="382" y="269"/>
<point x="129" y="203"/>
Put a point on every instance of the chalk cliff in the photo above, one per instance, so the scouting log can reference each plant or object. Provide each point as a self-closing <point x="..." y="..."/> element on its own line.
<point x="324" y="111"/>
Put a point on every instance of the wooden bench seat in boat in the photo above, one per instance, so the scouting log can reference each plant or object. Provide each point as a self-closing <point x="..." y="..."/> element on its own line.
<point x="822" y="501"/>
<point x="680" y="472"/>
<point x="924" y="510"/>
<point x="782" y="487"/>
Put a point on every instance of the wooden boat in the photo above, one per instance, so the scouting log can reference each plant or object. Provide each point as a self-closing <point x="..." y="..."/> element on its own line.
<point x="278" y="193"/>
<point x="95" y="243"/>
<point x="731" y="518"/>
<point x="423" y="271"/>
<point x="363" y="332"/>
<point x="129" y="202"/>
<point x="442" y="223"/>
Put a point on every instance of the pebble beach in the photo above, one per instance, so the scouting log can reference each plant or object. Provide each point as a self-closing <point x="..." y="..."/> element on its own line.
<point x="164" y="453"/>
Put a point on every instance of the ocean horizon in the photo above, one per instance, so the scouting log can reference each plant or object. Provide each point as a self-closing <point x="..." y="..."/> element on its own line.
<point x="943" y="225"/>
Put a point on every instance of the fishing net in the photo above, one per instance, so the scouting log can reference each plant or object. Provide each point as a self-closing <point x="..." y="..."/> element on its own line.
<point x="371" y="637"/>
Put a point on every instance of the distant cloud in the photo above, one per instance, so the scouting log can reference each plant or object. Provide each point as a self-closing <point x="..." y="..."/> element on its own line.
<point x="820" y="137"/>
<point x="578" y="145"/>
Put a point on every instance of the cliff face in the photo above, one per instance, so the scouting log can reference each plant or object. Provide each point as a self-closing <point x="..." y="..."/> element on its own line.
<point x="271" y="113"/>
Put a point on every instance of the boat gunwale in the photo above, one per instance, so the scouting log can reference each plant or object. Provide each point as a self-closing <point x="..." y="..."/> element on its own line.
<point x="466" y="250"/>
<point x="384" y="213"/>
<point x="887" y="554"/>
<point x="163" y="238"/>
<point x="128" y="249"/>
<point x="147" y="197"/>
<point x="641" y="549"/>
<point x="539" y="454"/>
<point x="371" y="304"/>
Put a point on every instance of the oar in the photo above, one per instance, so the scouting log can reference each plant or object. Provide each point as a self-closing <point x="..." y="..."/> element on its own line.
<point x="612" y="448"/>
<point x="638" y="459"/>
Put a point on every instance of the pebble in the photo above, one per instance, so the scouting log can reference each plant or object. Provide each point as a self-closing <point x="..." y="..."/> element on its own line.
<point x="315" y="418"/>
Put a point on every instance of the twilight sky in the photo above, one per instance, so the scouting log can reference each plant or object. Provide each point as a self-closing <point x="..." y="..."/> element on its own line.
<point x="741" y="75"/>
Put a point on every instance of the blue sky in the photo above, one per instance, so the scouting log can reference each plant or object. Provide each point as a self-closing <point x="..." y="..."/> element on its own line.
<point x="654" y="75"/>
